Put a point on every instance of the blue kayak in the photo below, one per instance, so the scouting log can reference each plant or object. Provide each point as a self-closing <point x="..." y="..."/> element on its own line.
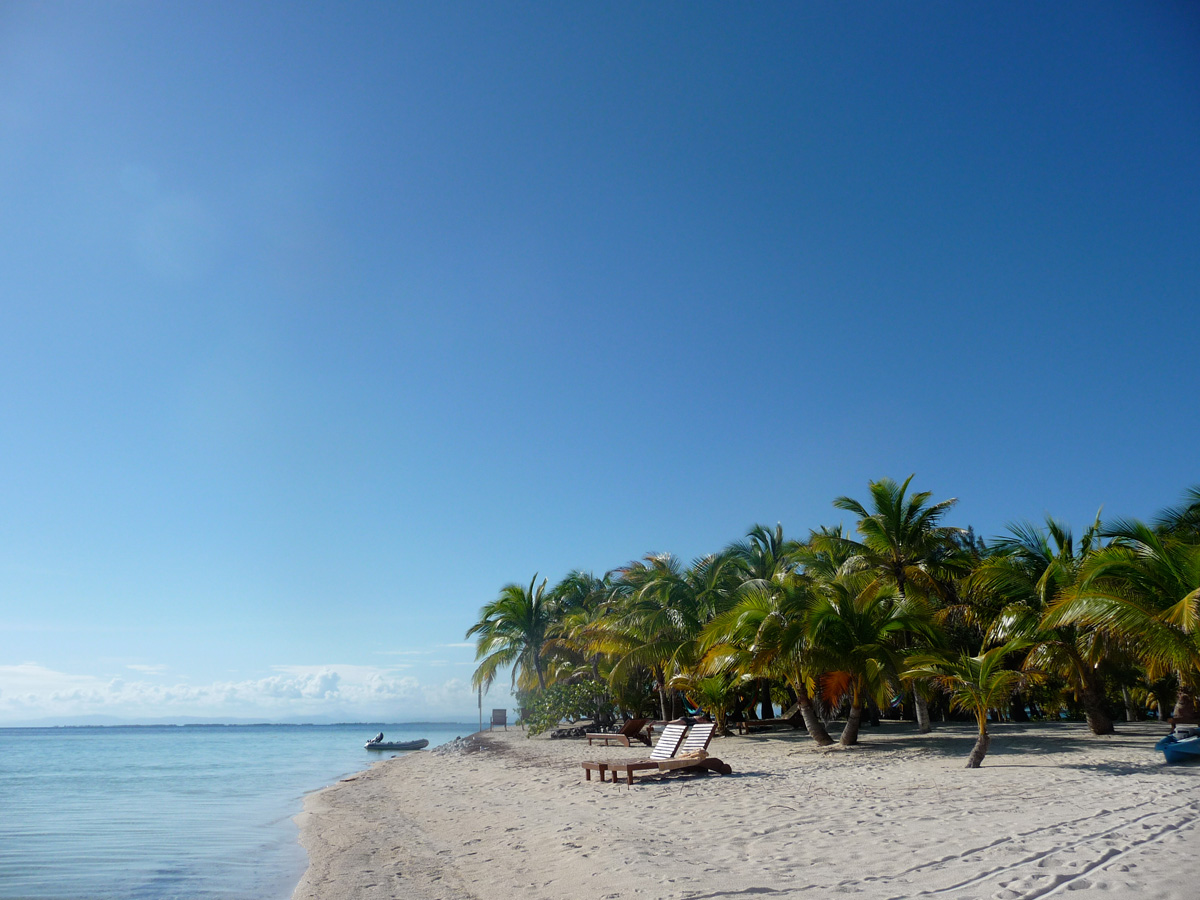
<point x="1180" y="747"/>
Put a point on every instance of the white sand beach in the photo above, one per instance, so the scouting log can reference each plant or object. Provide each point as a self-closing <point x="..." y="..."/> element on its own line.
<point x="1053" y="811"/>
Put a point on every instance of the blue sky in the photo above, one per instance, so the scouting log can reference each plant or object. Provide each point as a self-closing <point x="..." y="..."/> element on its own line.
<point x="322" y="322"/>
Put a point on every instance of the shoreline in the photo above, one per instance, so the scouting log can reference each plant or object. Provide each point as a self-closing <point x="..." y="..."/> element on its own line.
<point x="1053" y="809"/>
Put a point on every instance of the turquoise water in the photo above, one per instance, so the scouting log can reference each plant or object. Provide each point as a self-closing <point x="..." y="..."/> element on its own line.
<point x="170" y="812"/>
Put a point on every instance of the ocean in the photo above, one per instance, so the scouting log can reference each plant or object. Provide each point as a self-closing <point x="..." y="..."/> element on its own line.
<point x="170" y="812"/>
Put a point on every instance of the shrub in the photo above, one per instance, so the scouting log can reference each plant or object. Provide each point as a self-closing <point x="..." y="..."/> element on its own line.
<point x="583" y="700"/>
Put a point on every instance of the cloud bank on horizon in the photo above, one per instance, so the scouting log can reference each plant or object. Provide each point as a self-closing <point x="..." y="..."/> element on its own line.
<point x="30" y="692"/>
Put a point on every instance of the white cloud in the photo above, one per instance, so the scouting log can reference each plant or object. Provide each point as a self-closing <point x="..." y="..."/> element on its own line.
<point x="147" y="670"/>
<point x="29" y="691"/>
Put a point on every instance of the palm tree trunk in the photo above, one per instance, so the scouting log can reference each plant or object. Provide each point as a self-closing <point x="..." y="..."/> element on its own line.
<point x="1131" y="710"/>
<point x="1093" y="705"/>
<point x="979" y="751"/>
<point x="677" y="709"/>
<point x="720" y="721"/>
<point x="662" y="693"/>
<point x="853" y="721"/>
<point x="768" y="710"/>
<point x="924" y="723"/>
<point x="1185" y="705"/>
<point x="1016" y="709"/>
<point x="812" y="722"/>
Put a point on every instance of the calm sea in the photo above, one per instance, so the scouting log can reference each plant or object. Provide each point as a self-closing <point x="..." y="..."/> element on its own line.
<point x="164" y="812"/>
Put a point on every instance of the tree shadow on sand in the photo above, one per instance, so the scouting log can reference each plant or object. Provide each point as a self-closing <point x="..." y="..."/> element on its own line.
<point x="1018" y="744"/>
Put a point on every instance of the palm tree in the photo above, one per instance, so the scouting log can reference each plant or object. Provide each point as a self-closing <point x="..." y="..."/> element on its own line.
<point x="512" y="631"/>
<point x="975" y="683"/>
<point x="767" y="634"/>
<point x="1026" y="573"/>
<point x="856" y="627"/>
<point x="578" y="602"/>
<point x="904" y="543"/>
<point x="715" y="694"/>
<point x="1183" y="519"/>
<point x="765" y="557"/>
<point x="1144" y="589"/>
<point x="661" y="608"/>
<point x="765" y="561"/>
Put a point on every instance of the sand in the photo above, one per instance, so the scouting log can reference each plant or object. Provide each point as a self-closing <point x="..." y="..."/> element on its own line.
<point x="1053" y="811"/>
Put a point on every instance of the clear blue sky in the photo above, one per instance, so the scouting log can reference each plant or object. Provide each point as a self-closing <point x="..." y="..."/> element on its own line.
<point x="322" y="322"/>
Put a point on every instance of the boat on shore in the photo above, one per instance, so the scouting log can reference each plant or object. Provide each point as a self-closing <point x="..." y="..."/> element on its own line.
<point x="1181" y="745"/>
<point x="397" y="745"/>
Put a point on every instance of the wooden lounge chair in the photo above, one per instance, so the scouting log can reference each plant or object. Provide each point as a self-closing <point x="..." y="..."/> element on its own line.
<point x="634" y="728"/>
<point x="693" y="756"/>
<point x="790" y="717"/>
<point x="666" y="747"/>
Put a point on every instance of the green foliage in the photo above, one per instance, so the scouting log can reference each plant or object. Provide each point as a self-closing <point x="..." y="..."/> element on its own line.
<point x="512" y="632"/>
<point x="1095" y="622"/>
<point x="975" y="684"/>
<point x="585" y="700"/>
<point x="716" y="695"/>
<point x="635" y="697"/>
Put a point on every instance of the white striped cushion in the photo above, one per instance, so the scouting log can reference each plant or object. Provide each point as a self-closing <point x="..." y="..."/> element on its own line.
<point x="698" y="737"/>
<point x="668" y="742"/>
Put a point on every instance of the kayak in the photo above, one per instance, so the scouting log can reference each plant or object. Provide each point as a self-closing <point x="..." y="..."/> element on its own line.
<point x="1181" y="746"/>
<point x="397" y="745"/>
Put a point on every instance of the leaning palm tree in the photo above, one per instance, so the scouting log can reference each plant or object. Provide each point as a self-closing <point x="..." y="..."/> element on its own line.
<point x="975" y="684"/>
<point x="904" y="544"/>
<point x="512" y="631"/>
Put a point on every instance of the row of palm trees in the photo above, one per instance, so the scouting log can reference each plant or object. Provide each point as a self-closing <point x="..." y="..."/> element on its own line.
<point x="908" y="611"/>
